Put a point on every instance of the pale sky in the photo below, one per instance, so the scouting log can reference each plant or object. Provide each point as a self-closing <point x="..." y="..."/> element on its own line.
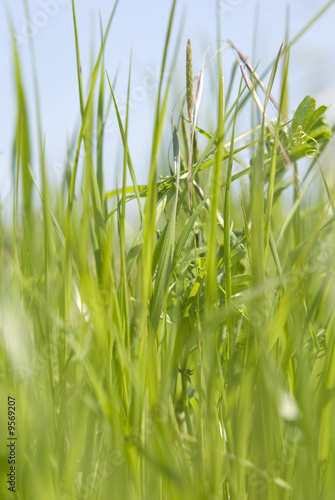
<point x="141" y="26"/>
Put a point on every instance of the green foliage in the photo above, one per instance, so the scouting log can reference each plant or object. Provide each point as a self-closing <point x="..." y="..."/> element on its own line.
<point x="307" y="132"/>
<point x="198" y="360"/>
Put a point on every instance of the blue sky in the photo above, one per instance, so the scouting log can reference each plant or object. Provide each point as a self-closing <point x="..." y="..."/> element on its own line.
<point x="141" y="27"/>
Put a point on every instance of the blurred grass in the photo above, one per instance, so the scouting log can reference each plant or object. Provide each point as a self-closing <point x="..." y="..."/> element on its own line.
<point x="197" y="361"/>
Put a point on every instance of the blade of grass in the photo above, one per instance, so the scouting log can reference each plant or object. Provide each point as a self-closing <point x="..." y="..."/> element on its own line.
<point x="150" y="208"/>
<point x="165" y="260"/>
<point x="271" y="184"/>
<point x="122" y="235"/>
<point x="79" y="68"/>
<point x="211" y="285"/>
<point x="227" y="223"/>
<point x="100" y="129"/>
<point x="135" y="187"/>
<point x="84" y="109"/>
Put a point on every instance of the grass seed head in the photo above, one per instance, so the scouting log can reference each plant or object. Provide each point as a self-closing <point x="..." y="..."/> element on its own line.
<point x="189" y="81"/>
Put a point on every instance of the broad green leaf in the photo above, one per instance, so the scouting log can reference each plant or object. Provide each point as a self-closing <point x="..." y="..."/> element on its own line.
<point x="303" y="113"/>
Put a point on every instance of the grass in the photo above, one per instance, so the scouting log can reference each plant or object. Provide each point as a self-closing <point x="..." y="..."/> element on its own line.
<point x="197" y="361"/>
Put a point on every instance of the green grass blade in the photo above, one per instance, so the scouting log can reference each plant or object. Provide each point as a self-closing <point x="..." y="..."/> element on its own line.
<point x="227" y="223"/>
<point x="165" y="259"/>
<point x="150" y="209"/>
<point x="79" y="68"/>
<point x="135" y="188"/>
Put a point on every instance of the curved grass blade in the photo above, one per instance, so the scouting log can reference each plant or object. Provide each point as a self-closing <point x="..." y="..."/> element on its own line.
<point x="129" y="160"/>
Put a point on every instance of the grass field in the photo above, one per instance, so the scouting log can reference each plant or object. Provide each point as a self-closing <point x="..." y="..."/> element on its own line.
<point x="196" y="361"/>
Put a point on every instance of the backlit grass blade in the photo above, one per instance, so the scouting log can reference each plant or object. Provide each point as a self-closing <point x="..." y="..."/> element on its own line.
<point x="165" y="260"/>
<point x="79" y="68"/>
<point x="100" y="128"/>
<point x="150" y="208"/>
<point x="85" y="107"/>
<point x="214" y="197"/>
<point x="272" y="175"/>
<point x="257" y="212"/>
<point x="135" y="187"/>
<point x="47" y="236"/>
<point x="227" y="229"/>
<point x="22" y="134"/>
<point x="257" y="195"/>
<point x="122" y="230"/>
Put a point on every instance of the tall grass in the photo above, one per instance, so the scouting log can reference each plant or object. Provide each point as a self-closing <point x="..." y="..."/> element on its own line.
<point x="197" y="361"/>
